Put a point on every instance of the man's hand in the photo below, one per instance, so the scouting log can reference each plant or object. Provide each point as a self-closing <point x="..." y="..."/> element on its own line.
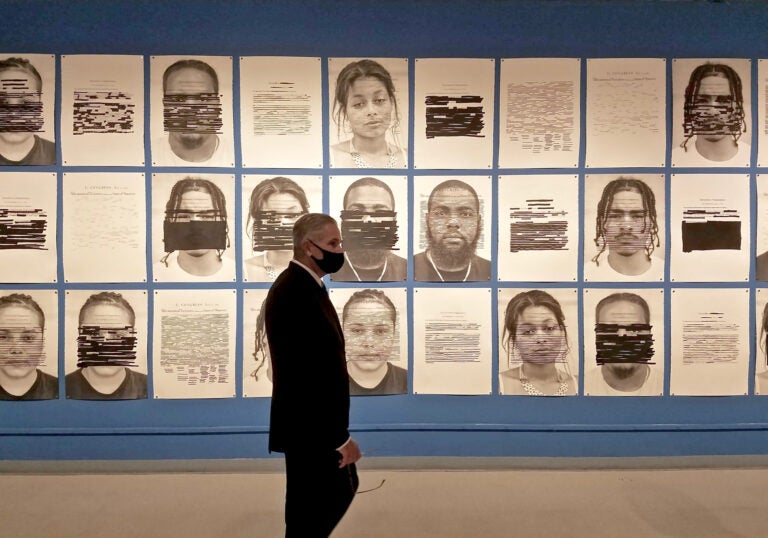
<point x="350" y="453"/>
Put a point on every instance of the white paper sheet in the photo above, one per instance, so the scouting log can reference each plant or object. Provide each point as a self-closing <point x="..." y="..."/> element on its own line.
<point x="643" y="231"/>
<point x="508" y="357"/>
<point x="423" y="187"/>
<point x="629" y="311"/>
<point x="105" y="233"/>
<point x="45" y="65"/>
<point x="626" y="100"/>
<point x="257" y="372"/>
<point x="682" y="68"/>
<point x="280" y="112"/>
<point x="162" y="154"/>
<point x="539" y="122"/>
<point x="312" y="186"/>
<point x="338" y="187"/>
<point x="452" y="341"/>
<point x="710" y="219"/>
<point x="162" y="185"/>
<point x="710" y="342"/>
<point x="453" y="125"/>
<point x="538" y="228"/>
<point x="397" y="132"/>
<point x="28" y="227"/>
<point x="194" y="343"/>
<point x="102" y="110"/>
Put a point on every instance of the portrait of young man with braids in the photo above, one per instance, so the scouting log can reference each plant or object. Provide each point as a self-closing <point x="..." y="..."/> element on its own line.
<point x="195" y="234"/>
<point x="626" y="234"/>
<point x="714" y="119"/>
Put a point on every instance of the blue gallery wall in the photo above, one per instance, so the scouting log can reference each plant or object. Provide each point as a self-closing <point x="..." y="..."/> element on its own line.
<point x="410" y="425"/>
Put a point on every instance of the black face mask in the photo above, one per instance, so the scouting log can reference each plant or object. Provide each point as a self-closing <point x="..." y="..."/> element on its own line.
<point x="194" y="235"/>
<point x="330" y="262"/>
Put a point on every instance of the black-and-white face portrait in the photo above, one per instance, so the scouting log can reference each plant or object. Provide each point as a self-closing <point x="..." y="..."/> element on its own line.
<point x="27" y="92"/>
<point x="192" y="111"/>
<point x="107" y="359"/>
<point x="257" y="368"/>
<point x="625" y="242"/>
<point x="368" y="210"/>
<point x="28" y="338"/>
<point x="761" y="341"/>
<point x="191" y="236"/>
<point x="624" y="340"/>
<point x="373" y="321"/>
<point x="369" y="112"/>
<point x="271" y="205"/>
<point x="711" y="112"/>
<point x="537" y="342"/>
<point x="452" y="229"/>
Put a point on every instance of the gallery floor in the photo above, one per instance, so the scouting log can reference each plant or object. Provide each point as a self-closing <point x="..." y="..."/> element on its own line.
<point x="621" y="498"/>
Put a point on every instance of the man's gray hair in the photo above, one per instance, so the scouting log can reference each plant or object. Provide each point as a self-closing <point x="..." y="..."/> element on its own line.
<point x="307" y="227"/>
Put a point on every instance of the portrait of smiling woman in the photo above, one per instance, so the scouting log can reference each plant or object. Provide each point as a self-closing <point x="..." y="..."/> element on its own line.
<point x="535" y="345"/>
<point x="368" y="113"/>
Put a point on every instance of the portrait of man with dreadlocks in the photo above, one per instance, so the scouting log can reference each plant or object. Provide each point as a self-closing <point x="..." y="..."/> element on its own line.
<point x="714" y="119"/>
<point x="626" y="232"/>
<point x="195" y="234"/>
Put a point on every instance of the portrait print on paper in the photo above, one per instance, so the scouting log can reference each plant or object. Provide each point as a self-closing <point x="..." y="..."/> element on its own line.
<point x="257" y="367"/>
<point x="711" y="112"/>
<point x="191" y="236"/>
<point x="370" y="211"/>
<point x="451" y="230"/>
<point x="27" y="95"/>
<point x="271" y="204"/>
<point x="538" y="342"/>
<point x="106" y="353"/>
<point x="761" y="347"/>
<point x="191" y="115"/>
<point x="761" y="237"/>
<point x="624" y="227"/>
<point x="623" y="342"/>
<point x="369" y="112"/>
<point x="28" y="345"/>
<point x="375" y="328"/>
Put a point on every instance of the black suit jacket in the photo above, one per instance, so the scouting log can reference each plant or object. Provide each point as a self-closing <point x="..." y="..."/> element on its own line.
<point x="310" y="384"/>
